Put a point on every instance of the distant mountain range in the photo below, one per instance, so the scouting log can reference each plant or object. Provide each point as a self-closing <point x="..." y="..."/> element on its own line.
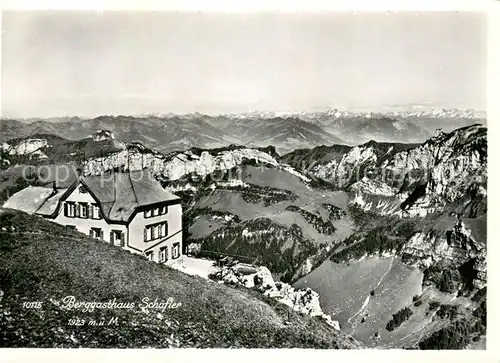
<point x="285" y="131"/>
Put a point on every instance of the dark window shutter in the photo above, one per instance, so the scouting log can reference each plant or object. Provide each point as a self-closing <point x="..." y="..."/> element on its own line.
<point x="66" y="209"/>
<point x="145" y="234"/>
<point x="112" y="237"/>
<point x="91" y="211"/>
<point x="77" y="210"/>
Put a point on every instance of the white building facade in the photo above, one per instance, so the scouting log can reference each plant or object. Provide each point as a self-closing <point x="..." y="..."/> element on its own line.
<point x="128" y="210"/>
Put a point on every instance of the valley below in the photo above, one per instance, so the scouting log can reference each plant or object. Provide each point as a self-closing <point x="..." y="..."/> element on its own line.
<point x="346" y="294"/>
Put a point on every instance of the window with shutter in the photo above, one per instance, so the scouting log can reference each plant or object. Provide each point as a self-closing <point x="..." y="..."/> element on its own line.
<point x="116" y="238"/>
<point x="155" y="231"/>
<point x="84" y="210"/>
<point x="96" y="233"/>
<point x="94" y="211"/>
<point x="147" y="233"/>
<point x="77" y="210"/>
<point x="69" y="209"/>
<point x="163" y="255"/>
<point x="176" y="250"/>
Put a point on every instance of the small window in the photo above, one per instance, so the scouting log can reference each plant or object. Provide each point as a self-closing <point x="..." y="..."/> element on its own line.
<point x="176" y="250"/>
<point x="156" y="212"/>
<point x="149" y="255"/>
<point x="116" y="238"/>
<point x="163" y="255"/>
<point x="147" y="234"/>
<point x="154" y="233"/>
<point x="96" y="233"/>
<point x="69" y="209"/>
<point x="163" y="230"/>
<point x="82" y="190"/>
<point x="147" y="214"/>
<point x="163" y="210"/>
<point x="84" y="210"/>
<point x="95" y="211"/>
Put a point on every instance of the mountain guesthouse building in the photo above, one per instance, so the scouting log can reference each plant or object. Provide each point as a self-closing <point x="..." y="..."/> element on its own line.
<point x="126" y="209"/>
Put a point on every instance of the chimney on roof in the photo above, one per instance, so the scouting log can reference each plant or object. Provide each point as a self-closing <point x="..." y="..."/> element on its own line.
<point x="114" y="185"/>
<point x="54" y="189"/>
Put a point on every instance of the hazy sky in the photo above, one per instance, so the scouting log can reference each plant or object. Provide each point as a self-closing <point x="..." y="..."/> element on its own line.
<point x="62" y="63"/>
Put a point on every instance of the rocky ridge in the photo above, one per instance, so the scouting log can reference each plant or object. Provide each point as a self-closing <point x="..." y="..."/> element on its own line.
<point x="415" y="179"/>
<point x="304" y="301"/>
<point x="176" y="165"/>
<point x="440" y="185"/>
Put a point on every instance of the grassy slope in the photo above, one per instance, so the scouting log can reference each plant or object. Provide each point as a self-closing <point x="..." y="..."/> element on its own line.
<point x="396" y="289"/>
<point x="40" y="260"/>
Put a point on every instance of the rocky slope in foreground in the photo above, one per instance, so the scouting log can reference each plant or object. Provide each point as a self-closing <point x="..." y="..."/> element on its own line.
<point x="45" y="262"/>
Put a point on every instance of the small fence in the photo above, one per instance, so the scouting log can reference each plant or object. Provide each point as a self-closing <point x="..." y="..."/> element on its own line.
<point x="247" y="259"/>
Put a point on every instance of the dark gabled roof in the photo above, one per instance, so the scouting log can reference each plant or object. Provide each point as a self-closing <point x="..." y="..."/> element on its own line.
<point x="118" y="194"/>
<point x="121" y="193"/>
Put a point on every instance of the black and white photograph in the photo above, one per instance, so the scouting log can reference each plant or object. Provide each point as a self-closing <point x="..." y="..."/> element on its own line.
<point x="313" y="180"/>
